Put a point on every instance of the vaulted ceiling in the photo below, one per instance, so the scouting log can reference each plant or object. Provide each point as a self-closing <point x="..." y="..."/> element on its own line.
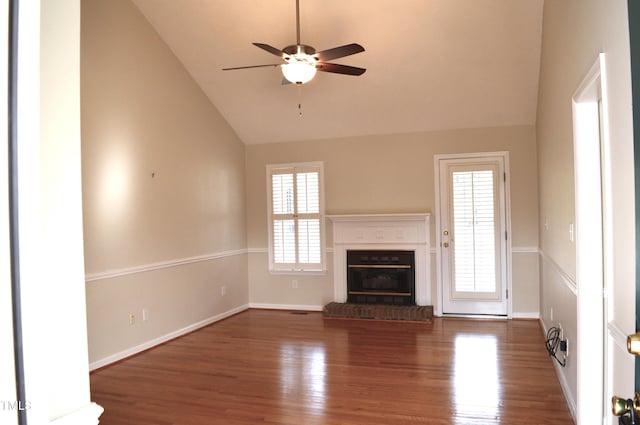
<point x="431" y="64"/>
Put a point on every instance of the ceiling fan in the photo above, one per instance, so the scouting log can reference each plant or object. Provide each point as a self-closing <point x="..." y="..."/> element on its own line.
<point x="302" y="61"/>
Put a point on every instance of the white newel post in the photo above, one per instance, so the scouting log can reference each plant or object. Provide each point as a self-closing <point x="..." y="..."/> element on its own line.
<point x="407" y="232"/>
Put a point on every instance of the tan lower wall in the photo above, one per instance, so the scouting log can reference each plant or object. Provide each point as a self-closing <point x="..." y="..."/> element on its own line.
<point x="558" y="295"/>
<point x="525" y="278"/>
<point x="275" y="291"/>
<point x="176" y="298"/>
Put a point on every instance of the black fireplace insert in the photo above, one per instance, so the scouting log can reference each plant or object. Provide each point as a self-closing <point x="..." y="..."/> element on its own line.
<point x="381" y="277"/>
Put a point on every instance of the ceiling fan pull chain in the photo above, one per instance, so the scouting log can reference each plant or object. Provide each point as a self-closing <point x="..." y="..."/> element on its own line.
<point x="300" y="100"/>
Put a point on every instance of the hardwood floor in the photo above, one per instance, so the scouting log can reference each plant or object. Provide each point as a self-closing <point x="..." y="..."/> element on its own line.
<point x="274" y="367"/>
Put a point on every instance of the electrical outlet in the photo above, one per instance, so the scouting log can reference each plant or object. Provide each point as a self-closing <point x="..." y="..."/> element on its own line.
<point x="132" y="318"/>
<point x="551" y="314"/>
<point x="571" y="233"/>
<point x="223" y="291"/>
<point x="561" y="331"/>
<point x="294" y="284"/>
<point x="145" y="314"/>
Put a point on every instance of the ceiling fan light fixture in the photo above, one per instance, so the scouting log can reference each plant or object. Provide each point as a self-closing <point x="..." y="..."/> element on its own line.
<point x="302" y="61"/>
<point x="299" y="71"/>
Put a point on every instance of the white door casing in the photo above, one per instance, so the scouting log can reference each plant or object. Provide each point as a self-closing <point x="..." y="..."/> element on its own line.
<point x="472" y="244"/>
<point x="593" y="246"/>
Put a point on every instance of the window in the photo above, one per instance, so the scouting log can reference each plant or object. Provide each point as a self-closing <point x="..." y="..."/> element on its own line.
<point x="296" y="217"/>
<point x="475" y="231"/>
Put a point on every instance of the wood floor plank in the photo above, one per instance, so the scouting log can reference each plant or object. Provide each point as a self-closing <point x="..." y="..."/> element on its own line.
<point x="274" y="367"/>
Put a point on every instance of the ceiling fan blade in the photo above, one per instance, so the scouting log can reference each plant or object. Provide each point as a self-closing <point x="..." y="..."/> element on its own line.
<point x="270" y="49"/>
<point x="339" y="69"/>
<point x="340" y="52"/>
<point x="250" y="66"/>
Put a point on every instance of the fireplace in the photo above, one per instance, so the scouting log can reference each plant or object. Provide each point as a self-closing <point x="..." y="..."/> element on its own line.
<point x="381" y="277"/>
<point x="390" y="233"/>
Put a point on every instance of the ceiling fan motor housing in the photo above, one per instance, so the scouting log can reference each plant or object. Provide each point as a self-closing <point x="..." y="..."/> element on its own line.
<point x="297" y="49"/>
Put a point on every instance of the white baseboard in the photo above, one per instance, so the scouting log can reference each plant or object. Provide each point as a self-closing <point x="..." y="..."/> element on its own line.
<point x="474" y="316"/>
<point x="532" y="315"/>
<point x="571" y="403"/>
<point x="287" y="307"/>
<point x="87" y="415"/>
<point x="564" y="384"/>
<point x="529" y="315"/>
<point x="164" y="338"/>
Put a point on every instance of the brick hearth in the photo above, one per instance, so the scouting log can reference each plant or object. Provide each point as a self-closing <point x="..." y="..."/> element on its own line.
<point x="378" y="312"/>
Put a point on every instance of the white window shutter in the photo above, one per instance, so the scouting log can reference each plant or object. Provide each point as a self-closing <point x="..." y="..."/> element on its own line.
<point x="296" y="217"/>
<point x="284" y="241"/>
<point x="282" y="193"/>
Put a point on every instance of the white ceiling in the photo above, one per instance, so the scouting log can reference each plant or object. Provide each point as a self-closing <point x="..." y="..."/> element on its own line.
<point x="431" y="64"/>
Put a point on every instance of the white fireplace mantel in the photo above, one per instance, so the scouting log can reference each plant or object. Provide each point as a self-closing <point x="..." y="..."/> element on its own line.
<point x="408" y="232"/>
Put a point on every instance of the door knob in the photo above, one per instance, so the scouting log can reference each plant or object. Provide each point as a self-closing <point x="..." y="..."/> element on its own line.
<point x="622" y="407"/>
<point x="445" y="244"/>
<point x="628" y="409"/>
<point x="633" y="344"/>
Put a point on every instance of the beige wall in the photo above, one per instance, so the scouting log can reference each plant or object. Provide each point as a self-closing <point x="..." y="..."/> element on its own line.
<point x="390" y="174"/>
<point x="163" y="185"/>
<point x="574" y="33"/>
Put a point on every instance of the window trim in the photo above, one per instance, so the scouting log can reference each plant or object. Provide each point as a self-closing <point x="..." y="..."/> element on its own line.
<point x="296" y="167"/>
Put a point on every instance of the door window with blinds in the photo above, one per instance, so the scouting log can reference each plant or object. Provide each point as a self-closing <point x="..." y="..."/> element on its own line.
<point x="474" y="230"/>
<point x="296" y="217"/>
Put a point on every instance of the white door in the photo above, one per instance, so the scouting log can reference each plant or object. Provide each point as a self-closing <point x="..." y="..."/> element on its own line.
<point x="623" y="371"/>
<point x="473" y="235"/>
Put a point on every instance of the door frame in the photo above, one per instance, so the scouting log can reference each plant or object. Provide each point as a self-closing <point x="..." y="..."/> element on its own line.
<point x="634" y="40"/>
<point x="594" y="266"/>
<point x="437" y="308"/>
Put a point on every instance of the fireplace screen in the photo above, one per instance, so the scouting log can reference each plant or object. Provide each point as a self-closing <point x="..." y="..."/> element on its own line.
<point x="381" y="277"/>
